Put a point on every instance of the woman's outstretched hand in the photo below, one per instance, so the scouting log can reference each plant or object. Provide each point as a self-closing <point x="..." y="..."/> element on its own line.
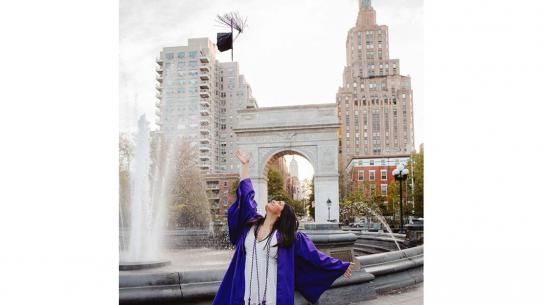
<point x="348" y="272"/>
<point x="243" y="158"/>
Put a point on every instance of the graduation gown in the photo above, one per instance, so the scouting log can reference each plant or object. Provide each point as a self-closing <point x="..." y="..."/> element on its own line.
<point x="300" y="267"/>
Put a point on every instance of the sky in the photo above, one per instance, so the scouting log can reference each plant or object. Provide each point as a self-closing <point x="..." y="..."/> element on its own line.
<point x="293" y="51"/>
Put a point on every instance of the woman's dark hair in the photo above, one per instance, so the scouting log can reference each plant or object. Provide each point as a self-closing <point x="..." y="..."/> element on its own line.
<point x="287" y="225"/>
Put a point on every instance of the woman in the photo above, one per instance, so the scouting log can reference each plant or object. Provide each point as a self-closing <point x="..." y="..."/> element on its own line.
<point x="272" y="259"/>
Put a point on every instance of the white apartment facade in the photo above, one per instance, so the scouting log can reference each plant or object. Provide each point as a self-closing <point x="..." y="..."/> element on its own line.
<point x="198" y="97"/>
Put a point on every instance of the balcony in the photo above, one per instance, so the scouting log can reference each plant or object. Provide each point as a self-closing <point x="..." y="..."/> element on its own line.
<point x="159" y="78"/>
<point x="158" y="95"/>
<point x="204" y="103"/>
<point x="204" y="157"/>
<point x="204" y="85"/>
<point x="204" y="122"/>
<point x="213" y="196"/>
<point x="204" y="76"/>
<point x="205" y="165"/>
<point x="204" y="93"/>
<point x="204" y="68"/>
<point x="204" y="111"/>
<point x="204" y="140"/>
<point x="159" y="61"/>
<point x="204" y="147"/>
<point x="204" y="59"/>
<point x="204" y="130"/>
<point x="159" y="70"/>
<point x="157" y="104"/>
<point x="157" y="112"/>
<point x="158" y="87"/>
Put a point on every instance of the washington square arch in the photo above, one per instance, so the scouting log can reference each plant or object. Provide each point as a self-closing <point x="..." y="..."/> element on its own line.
<point x="310" y="131"/>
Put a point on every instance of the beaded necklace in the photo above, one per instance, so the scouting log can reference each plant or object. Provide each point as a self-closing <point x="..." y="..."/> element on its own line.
<point x="254" y="261"/>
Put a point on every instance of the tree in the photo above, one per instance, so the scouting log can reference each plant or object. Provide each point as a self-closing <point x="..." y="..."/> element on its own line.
<point x="277" y="192"/>
<point x="345" y="180"/>
<point x="357" y="203"/>
<point x="189" y="206"/>
<point x="298" y="206"/>
<point x="311" y="198"/>
<point x="275" y="183"/>
<point x="234" y="187"/>
<point x="417" y="164"/>
<point x="126" y="154"/>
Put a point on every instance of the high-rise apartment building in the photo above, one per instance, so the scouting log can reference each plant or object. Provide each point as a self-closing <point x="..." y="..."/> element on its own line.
<point x="234" y="94"/>
<point x="199" y="98"/>
<point x="375" y="102"/>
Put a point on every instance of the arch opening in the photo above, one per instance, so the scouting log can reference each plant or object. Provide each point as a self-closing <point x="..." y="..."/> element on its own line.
<point x="288" y="176"/>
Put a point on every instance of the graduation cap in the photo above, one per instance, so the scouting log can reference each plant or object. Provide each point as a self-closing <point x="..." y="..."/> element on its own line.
<point x="233" y="21"/>
<point x="224" y="41"/>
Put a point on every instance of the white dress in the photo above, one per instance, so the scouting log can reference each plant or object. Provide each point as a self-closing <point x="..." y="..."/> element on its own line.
<point x="272" y="268"/>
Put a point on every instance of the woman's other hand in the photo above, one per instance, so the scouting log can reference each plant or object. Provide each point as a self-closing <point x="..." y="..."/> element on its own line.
<point x="348" y="272"/>
<point x="243" y="158"/>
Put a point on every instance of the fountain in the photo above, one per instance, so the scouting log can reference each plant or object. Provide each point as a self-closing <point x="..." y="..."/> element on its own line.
<point x="382" y="220"/>
<point x="147" y="210"/>
<point x="192" y="275"/>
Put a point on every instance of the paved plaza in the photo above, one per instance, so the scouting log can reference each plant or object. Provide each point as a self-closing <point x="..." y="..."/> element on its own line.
<point x="413" y="295"/>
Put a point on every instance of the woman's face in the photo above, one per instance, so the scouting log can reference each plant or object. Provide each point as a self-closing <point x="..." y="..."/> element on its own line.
<point x="275" y="207"/>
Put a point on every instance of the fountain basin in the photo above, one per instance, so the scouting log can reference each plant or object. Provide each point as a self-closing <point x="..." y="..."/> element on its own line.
<point x="123" y="266"/>
<point x="330" y="239"/>
<point x="379" y="273"/>
<point x="377" y="242"/>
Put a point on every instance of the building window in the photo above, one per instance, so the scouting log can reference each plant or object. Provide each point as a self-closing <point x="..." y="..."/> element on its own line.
<point x="372" y="175"/>
<point x="384" y="189"/>
<point x="384" y="174"/>
<point x="360" y="175"/>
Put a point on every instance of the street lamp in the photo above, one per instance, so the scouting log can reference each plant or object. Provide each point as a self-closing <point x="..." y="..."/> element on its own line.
<point x="400" y="174"/>
<point x="329" y="203"/>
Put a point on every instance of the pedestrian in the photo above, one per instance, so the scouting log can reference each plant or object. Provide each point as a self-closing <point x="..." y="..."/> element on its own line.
<point x="272" y="258"/>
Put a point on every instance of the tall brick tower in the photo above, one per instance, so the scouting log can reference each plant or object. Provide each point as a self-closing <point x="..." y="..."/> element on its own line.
<point x="375" y="102"/>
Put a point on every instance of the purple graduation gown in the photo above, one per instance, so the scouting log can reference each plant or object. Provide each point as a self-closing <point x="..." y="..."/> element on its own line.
<point x="300" y="267"/>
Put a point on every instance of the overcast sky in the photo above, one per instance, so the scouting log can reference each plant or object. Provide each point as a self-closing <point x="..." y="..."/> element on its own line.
<point x="293" y="51"/>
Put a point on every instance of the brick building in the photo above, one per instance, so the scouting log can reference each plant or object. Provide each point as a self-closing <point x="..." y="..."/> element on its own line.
<point x="218" y="187"/>
<point x="376" y="170"/>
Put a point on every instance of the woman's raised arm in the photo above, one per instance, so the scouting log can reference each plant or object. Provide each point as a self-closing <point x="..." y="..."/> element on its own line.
<point x="244" y="208"/>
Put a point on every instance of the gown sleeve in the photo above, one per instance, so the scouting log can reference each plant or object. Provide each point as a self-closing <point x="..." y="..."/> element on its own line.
<point x="242" y="210"/>
<point x="314" y="271"/>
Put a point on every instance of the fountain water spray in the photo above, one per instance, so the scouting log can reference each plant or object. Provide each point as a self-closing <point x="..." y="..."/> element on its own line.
<point x="147" y="209"/>
<point x="140" y="203"/>
<point x="383" y="221"/>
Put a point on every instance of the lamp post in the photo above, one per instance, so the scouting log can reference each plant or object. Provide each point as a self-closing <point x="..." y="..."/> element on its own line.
<point x="400" y="174"/>
<point x="329" y="203"/>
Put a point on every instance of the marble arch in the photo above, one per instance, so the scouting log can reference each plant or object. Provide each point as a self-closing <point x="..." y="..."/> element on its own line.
<point x="310" y="131"/>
